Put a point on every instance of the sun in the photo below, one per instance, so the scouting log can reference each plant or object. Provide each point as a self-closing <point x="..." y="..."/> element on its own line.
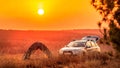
<point x="40" y="11"/>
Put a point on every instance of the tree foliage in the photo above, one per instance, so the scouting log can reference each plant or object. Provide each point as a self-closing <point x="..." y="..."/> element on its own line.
<point x="110" y="11"/>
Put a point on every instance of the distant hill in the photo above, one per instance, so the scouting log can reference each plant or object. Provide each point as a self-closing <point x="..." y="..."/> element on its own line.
<point x="43" y="34"/>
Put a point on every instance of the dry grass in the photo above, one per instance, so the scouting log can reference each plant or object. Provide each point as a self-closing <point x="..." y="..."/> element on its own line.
<point x="92" y="60"/>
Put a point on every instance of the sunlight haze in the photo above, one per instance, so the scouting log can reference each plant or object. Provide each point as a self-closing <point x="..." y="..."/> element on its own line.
<point x="55" y="15"/>
<point x="41" y="11"/>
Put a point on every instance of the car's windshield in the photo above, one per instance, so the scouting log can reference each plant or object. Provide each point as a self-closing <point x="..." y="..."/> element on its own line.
<point x="76" y="44"/>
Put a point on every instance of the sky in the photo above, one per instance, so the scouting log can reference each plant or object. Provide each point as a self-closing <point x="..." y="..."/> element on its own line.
<point x="58" y="15"/>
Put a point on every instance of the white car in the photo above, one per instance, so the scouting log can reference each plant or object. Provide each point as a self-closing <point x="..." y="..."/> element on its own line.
<point x="79" y="47"/>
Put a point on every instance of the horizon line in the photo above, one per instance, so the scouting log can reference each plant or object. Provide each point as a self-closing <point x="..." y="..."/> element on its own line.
<point x="47" y="29"/>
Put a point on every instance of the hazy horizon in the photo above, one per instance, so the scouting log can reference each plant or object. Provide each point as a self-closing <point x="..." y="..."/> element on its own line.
<point x="48" y="29"/>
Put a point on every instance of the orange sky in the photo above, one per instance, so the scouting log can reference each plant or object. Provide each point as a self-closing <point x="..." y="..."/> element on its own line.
<point x="59" y="15"/>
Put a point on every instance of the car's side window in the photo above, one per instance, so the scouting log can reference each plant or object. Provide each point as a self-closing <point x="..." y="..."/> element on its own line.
<point x="80" y="44"/>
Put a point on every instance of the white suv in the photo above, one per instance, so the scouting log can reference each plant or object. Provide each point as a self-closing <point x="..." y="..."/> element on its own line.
<point x="80" y="46"/>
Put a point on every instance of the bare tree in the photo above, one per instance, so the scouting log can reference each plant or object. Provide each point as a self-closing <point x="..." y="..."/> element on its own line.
<point x="35" y="46"/>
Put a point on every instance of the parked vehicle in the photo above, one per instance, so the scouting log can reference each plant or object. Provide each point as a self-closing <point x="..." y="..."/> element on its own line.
<point x="79" y="47"/>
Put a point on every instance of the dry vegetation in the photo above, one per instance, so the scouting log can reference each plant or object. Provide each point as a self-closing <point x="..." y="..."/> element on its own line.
<point x="102" y="60"/>
<point x="13" y="44"/>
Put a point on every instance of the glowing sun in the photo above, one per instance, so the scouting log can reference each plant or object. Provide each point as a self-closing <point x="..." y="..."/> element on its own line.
<point x="40" y="11"/>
